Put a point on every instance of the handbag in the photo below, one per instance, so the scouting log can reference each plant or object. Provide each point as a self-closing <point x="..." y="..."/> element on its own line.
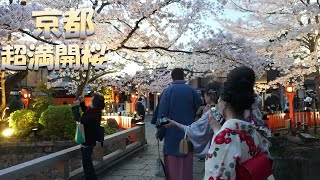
<point x="97" y="154"/>
<point x="185" y="146"/>
<point x="160" y="169"/>
<point x="80" y="135"/>
<point x="256" y="168"/>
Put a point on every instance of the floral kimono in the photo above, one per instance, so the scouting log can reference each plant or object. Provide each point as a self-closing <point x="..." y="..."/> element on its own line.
<point x="236" y="142"/>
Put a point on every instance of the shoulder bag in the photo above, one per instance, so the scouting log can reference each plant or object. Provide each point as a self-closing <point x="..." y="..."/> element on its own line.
<point x="185" y="146"/>
<point x="79" y="135"/>
<point x="256" y="168"/>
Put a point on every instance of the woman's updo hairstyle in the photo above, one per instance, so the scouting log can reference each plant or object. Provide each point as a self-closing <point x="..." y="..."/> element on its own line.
<point x="238" y="89"/>
<point x="213" y="90"/>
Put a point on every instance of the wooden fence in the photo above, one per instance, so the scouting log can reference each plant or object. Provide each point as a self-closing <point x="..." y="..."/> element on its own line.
<point x="278" y="121"/>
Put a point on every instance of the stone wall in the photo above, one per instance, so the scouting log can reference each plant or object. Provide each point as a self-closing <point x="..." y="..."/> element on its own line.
<point x="306" y="168"/>
<point x="15" y="153"/>
<point x="296" y="160"/>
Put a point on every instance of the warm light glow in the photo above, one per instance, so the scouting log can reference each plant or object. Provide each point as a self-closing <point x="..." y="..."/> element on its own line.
<point x="158" y="93"/>
<point x="25" y="95"/>
<point x="7" y="132"/>
<point x="132" y="96"/>
<point x="289" y="89"/>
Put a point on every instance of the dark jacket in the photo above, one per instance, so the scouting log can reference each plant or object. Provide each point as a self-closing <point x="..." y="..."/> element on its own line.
<point x="91" y="120"/>
<point x="140" y="108"/>
<point x="83" y="106"/>
<point x="155" y="113"/>
<point x="179" y="102"/>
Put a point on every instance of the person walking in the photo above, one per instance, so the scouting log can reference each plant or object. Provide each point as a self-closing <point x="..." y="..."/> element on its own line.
<point x="179" y="102"/>
<point x="200" y="132"/>
<point x="91" y="120"/>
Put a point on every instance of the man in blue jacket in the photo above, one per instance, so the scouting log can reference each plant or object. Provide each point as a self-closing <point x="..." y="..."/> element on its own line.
<point x="179" y="102"/>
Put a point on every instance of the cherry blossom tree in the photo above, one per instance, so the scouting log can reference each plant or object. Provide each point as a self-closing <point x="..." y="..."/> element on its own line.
<point x="156" y="28"/>
<point x="8" y="25"/>
<point x="152" y="81"/>
<point x="157" y="34"/>
<point x="287" y="31"/>
<point x="223" y="53"/>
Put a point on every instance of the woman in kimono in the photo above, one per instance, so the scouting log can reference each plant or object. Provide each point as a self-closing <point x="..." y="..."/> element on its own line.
<point x="237" y="140"/>
<point x="200" y="132"/>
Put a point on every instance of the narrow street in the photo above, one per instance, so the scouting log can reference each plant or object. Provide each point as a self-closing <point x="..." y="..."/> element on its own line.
<point x="141" y="165"/>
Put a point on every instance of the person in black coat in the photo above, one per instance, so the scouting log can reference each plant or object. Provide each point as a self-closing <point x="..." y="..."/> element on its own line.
<point x="91" y="120"/>
<point x="140" y="109"/>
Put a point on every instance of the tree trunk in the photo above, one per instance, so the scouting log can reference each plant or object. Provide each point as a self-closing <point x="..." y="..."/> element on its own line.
<point x="3" y="92"/>
<point x="80" y="90"/>
<point x="83" y="85"/>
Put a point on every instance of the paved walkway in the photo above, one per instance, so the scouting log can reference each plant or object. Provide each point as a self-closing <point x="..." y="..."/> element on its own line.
<point x="140" y="166"/>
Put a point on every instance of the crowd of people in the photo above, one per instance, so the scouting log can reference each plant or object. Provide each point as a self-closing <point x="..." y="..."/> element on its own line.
<point x="228" y="134"/>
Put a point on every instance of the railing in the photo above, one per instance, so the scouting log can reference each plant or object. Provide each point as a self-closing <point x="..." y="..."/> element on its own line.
<point x="317" y="116"/>
<point x="123" y="121"/>
<point x="277" y="121"/>
<point x="115" y="107"/>
<point x="302" y="117"/>
<point x="126" y="122"/>
<point x="61" y="160"/>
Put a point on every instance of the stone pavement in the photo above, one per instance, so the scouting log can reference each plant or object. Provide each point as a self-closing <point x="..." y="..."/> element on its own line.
<point x="141" y="165"/>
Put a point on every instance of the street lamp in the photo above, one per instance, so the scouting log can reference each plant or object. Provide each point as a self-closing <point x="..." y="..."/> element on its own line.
<point x="26" y="96"/>
<point x="290" y="95"/>
<point x="289" y="89"/>
<point x="7" y="132"/>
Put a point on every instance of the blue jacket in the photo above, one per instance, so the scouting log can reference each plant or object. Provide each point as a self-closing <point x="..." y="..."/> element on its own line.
<point x="180" y="103"/>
